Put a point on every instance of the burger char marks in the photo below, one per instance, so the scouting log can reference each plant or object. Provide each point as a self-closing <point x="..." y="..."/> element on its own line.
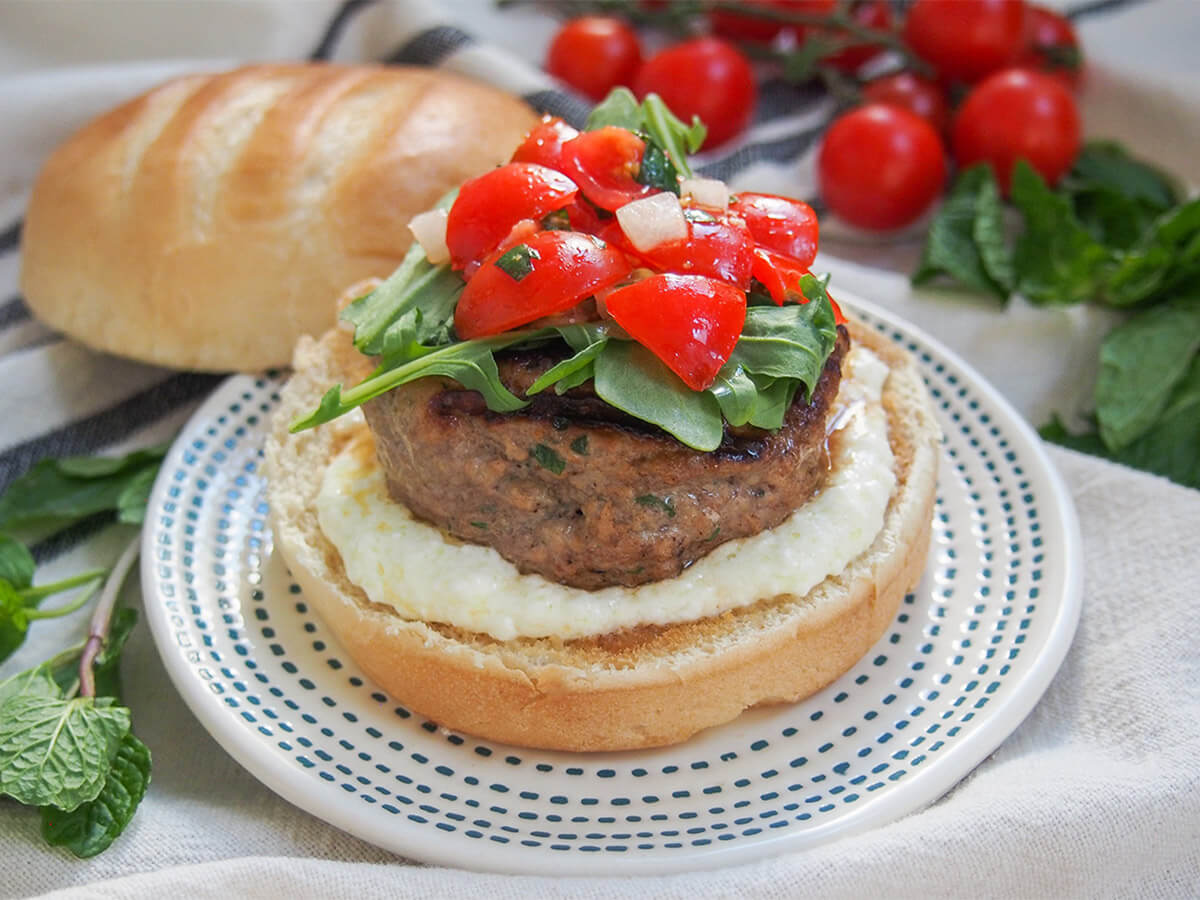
<point x="581" y="493"/>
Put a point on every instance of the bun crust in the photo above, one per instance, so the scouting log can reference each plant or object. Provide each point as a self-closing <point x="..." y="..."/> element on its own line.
<point x="646" y="687"/>
<point x="206" y="223"/>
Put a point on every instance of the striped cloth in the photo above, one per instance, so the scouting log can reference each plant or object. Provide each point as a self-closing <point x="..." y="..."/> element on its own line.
<point x="1114" y="809"/>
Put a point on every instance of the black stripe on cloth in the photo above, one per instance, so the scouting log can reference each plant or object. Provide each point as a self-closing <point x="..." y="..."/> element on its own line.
<point x="333" y="31"/>
<point x="69" y="538"/>
<point x="782" y="150"/>
<point x="777" y="98"/>
<point x="13" y="311"/>
<point x="87" y="435"/>
<point x="1097" y="7"/>
<point x="568" y="107"/>
<point x="430" y="47"/>
<point x="11" y="236"/>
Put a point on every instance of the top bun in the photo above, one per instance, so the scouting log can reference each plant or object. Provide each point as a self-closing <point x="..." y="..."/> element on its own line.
<point x="207" y="223"/>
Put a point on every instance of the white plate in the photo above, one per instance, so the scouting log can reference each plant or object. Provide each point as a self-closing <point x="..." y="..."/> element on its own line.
<point x="970" y="653"/>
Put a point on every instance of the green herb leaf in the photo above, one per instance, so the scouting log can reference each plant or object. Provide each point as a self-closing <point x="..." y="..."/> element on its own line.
<point x="790" y="341"/>
<point x="548" y="458"/>
<point x="619" y="109"/>
<point x="14" y="620"/>
<point x="35" y="682"/>
<point x="653" y="502"/>
<point x="654" y="119"/>
<point x="657" y="170"/>
<point x="1141" y="362"/>
<point x="579" y="362"/>
<point x="1056" y="260"/>
<point x="62" y="491"/>
<point x="16" y="563"/>
<point x="775" y="397"/>
<point x="57" y="752"/>
<point x="1104" y="165"/>
<point x="634" y="380"/>
<point x="92" y="826"/>
<point x="966" y="240"/>
<point x="517" y="263"/>
<point x="580" y="445"/>
<point x="736" y="393"/>
<point x="135" y="496"/>
<point x="1167" y="257"/>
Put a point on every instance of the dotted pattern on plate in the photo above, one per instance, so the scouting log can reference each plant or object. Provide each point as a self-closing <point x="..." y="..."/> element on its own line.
<point x="809" y="771"/>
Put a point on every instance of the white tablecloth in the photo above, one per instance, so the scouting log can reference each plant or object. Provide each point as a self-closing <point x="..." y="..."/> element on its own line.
<point x="1097" y="793"/>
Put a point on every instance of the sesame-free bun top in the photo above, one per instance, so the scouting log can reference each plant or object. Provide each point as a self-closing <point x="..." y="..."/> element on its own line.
<point x="206" y="223"/>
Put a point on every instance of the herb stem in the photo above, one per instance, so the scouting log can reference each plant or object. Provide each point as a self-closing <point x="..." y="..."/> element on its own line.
<point x="80" y="600"/>
<point x="45" y="590"/>
<point x="102" y="616"/>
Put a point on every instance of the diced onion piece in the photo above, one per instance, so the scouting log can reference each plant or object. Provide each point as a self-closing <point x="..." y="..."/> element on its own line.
<point x="652" y="221"/>
<point x="429" y="228"/>
<point x="709" y="192"/>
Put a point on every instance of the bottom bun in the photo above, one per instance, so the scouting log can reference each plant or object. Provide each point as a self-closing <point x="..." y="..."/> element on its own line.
<point x="642" y="687"/>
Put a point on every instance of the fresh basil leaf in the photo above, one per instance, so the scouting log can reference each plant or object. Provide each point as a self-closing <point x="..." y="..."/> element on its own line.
<point x="517" y="263"/>
<point x="35" y="682"/>
<point x="16" y="563"/>
<point x="657" y="170"/>
<point x="62" y="491"/>
<point x="1056" y="260"/>
<point x="56" y="752"/>
<point x="92" y="826"/>
<point x="736" y="394"/>
<point x="1141" y="362"/>
<point x="581" y="360"/>
<point x="1104" y="165"/>
<point x="634" y="380"/>
<point x="14" y="620"/>
<point x="966" y="238"/>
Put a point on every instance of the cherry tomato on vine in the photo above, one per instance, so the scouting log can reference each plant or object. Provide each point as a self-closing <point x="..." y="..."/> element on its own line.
<point x="689" y="322"/>
<point x="780" y="224"/>
<point x="745" y="26"/>
<point x="1018" y="114"/>
<point x="966" y="40"/>
<point x="1051" y="45"/>
<point x="704" y="77"/>
<point x="543" y="145"/>
<point x="605" y="163"/>
<point x="880" y="167"/>
<point x="563" y="268"/>
<point x="912" y="92"/>
<point x="594" y="54"/>
<point x="870" y="14"/>
<point x="489" y="205"/>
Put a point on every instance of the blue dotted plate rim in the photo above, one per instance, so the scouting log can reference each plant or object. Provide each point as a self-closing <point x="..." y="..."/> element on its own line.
<point x="230" y="637"/>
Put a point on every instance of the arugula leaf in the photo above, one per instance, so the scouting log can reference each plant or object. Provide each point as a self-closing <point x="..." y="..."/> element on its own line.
<point x="1056" y="260"/>
<point x="619" y="109"/>
<point x="774" y="399"/>
<point x="16" y="563"/>
<point x="56" y="752"/>
<point x="62" y="491"/>
<point x="654" y="119"/>
<point x="736" y="393"/>
<point x="582" y="360"/>
<point x="790" y="341"/>
<point x="1141" y="362"/>
<point x="970" y="214"/>
<point x="92" y="826"/>
<point x="634" y="380"/>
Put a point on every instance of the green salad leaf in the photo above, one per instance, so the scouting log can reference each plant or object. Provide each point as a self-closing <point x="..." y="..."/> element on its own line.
<point x="663" y="130"/>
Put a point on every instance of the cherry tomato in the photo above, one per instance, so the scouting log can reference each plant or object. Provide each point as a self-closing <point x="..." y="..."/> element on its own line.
<point x="966" y="40"/>
<point x="543" y="145"/>
<point x="594" y="54"/>
<point x="780" y="224"/>
<point x="870" y="14"/>
<point x="718" y="249"/>
<point x="1018" y="114"/>
<point x="880" y="167"/>
<point x="605" y="163"/>
<point x="914" y="93"/>
<point x="689" y="322"/>
<point x="1051" y="45"/>
<point x="490" y="205"/>
<point x="705" y="77"/>
<point x="763" y="29"/>
<point x="566" y="267"/>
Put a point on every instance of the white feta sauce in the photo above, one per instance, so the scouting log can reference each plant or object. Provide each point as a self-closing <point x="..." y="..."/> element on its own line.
<point x="413" y="567"/>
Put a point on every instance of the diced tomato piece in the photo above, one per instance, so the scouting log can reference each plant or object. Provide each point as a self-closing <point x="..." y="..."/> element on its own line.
<point x="719" y="249"/>
<point x="690" y="322"/>
<point x="780" y="224"/>
<point x="565" y="267"/>
<point x="490" y="205"/>
<point x="543" y="145"/>
<point x="605" y="164"/>
<point x="781" y="277"/>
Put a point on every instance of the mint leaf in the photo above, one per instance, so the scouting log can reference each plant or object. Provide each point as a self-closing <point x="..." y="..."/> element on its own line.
<point x="16" y="562"/>
<point x="1056" y="260"/>
<point x="35" y="682"/>
<point x="56" y="752"/>
<point x="1141" y="362"/>
<point x="1167" y="257"/>
<point x="92" y="826"/>
<point x="634" y="380"/>
<point x="966" y="239"/>
<point x="14" y="620"/>
<point x="135" y="496"/>
<point x="1105" y="166"/>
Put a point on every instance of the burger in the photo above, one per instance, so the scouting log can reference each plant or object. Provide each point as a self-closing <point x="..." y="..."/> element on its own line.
<point x="602" y="463"/>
